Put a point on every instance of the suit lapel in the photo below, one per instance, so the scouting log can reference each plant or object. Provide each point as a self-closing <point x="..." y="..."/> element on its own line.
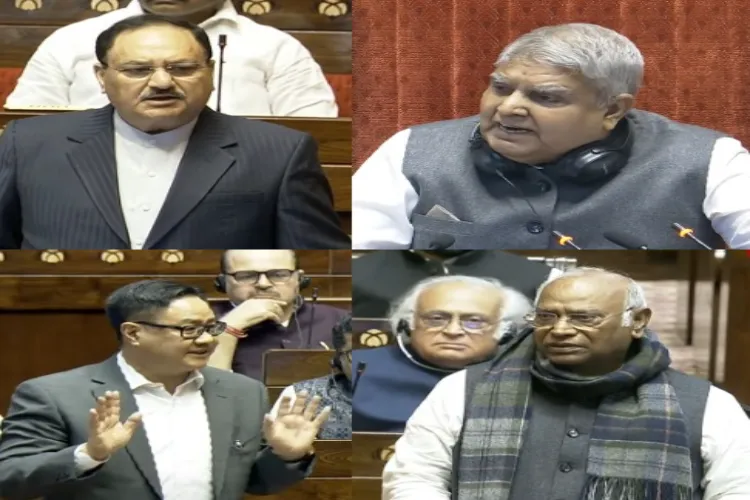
<point x="110" y="378"/>
<point x="204" y="162"/>
<point x="92" y="156"/>
<point x="220" y="410"/>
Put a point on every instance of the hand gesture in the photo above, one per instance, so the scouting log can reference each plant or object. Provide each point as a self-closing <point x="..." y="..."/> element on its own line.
<point x="106" y="433"/>
<point x="292" y="432"/>
<point x="254" y="311"/>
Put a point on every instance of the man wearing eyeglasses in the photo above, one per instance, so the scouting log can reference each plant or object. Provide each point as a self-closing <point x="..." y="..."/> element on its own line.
<point x="581" y="404"/>
<point x="266" y="310"/>
<point x="157" y="168"/>
<point x="335" y="389"/>
<point x="444" y="324"/>
<point x="152" y="421"/>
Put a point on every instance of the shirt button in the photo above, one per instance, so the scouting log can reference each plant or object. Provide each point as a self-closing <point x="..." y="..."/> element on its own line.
<point x="139" y="244"/>
<point x="534" y="227"/>
<point x="152" y="174"/>
<point x="145" y="208"/>
<point x="573" y="432"/>
<point x="544" y="186"/>
<point x="565" y="467"/>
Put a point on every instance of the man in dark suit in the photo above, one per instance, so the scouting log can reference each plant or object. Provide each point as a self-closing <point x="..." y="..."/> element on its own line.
<point x="191" y="431"/>
<point x="157" y="168"/>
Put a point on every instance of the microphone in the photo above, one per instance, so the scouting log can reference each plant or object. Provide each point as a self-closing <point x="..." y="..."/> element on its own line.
<point x="312" y="318"/>
<point x="442" y="242"/>
<point x="360" y="370"/>
<point x="222" y="45"/>
<point x="625" y="240"/>
<point x="686" y="232"/>
<point x="565" y="240"/>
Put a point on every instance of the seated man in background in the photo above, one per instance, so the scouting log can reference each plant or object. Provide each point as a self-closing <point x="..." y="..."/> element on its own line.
<point x="444" y="324"/>
<point x="557" y="147"/>
<point x="157" y="168"/>
<point x="581" y="405"/>
<point x="334" y="390"/>
<point x="379" y="278"/>
<point x="266" y="310"/>
<point x="267" y="71"/>
<point x="191" y="431"/>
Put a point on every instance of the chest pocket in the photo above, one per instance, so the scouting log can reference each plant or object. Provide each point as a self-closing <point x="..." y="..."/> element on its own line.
<point x="430" y="232"/>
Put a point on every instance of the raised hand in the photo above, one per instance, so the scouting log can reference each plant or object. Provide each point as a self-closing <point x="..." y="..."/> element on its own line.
<point x="254" y="311"/>
<point x="106" y="433"/>
<point x="292" y="432"/>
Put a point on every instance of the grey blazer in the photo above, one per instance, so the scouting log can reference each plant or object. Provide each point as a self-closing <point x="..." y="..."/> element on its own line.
<point x="241" y="184"/>
<point x="48" y="419"/>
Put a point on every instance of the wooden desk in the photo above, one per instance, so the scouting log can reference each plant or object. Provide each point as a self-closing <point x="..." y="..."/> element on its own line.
<point x="284" y="367"/>
<point x="370" y="452"/>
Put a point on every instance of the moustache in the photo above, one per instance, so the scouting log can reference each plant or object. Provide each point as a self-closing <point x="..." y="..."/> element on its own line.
<point x="171" y="95"/>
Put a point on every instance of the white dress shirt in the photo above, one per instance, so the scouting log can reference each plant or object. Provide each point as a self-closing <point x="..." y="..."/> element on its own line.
<point x="146" y="167"/>
<point x="421" y="466"/>
<point x="178" y="434"/>
<point x="266" y="73"/>
<point x="383" y="198"/>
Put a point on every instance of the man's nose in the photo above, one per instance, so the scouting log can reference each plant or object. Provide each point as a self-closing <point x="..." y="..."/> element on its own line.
<point x="161" y="79"/>
<point x="454" y="327"/>
<point x="512" y="104"/>
<point x="263" y="282"/>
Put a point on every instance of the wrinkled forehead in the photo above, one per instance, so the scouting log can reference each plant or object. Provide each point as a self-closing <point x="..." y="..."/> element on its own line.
<point x="156" y="44"/>
<point x="259" y="260"/>
<point x="524" y="72"/>
<point x="461" y="298"/>
<point x="585" y="293"/>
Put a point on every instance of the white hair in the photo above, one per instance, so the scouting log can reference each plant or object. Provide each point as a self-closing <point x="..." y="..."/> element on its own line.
<point x="607" y="60"/>
<point x="635" y="298"/>
<point x="514" y="307"/>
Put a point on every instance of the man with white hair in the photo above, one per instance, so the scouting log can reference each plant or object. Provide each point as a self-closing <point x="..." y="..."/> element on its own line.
<point x="556" y="150"/>
<point x="444" y="324"/>
<point x="582" y="404"/>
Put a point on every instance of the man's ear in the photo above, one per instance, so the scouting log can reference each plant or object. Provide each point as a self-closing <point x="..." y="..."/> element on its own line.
<point x="641" y="318"/>
<point x="130" y="333"/>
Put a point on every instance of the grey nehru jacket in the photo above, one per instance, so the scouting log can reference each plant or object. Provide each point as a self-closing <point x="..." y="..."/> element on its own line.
<point x="663" y="182"/>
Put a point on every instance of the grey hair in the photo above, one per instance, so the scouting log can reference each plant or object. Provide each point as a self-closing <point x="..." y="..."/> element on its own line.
<point x="515" y="304"/>
<point x="607" y="60"/>
<point x="635" y="298"/>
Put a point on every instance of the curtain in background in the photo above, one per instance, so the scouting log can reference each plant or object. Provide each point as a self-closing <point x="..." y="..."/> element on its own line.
<point x="417" y="61"/>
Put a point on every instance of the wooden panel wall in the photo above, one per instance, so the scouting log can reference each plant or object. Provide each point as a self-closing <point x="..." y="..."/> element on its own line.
<point x="323" y="26"/>
<point x="51" y="315"/>
<point x="737" y="367"/>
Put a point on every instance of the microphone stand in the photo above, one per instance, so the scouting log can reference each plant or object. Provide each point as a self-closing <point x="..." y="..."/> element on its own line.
<point x="222" y="46"/>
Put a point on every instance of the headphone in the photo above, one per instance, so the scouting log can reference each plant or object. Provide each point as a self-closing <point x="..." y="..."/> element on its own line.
<point x="588" y="163"/>
<point x="403" y="327"/>
<point x="220" y="282"/>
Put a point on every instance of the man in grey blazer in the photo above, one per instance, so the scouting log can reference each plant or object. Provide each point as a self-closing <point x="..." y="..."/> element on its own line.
<point x="157" y="168"/>
<point x="191" y="431"/>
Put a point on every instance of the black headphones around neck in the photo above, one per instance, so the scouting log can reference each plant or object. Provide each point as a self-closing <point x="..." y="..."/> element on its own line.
<point x="588" y="163"/>
<point x="220" y="282"/>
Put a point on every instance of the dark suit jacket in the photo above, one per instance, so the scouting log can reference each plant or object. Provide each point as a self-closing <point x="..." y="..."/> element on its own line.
<point x="241" y="184"/>
<point x="48" y="419"/>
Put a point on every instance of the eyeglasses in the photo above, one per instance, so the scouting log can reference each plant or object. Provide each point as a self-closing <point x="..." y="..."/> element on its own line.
<point x="178" y="70"/>
<point x="469" y="323"/>
<point x="545" y="319"/>
<point x="191" y="332"/>
<point x="275" y="276"/>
